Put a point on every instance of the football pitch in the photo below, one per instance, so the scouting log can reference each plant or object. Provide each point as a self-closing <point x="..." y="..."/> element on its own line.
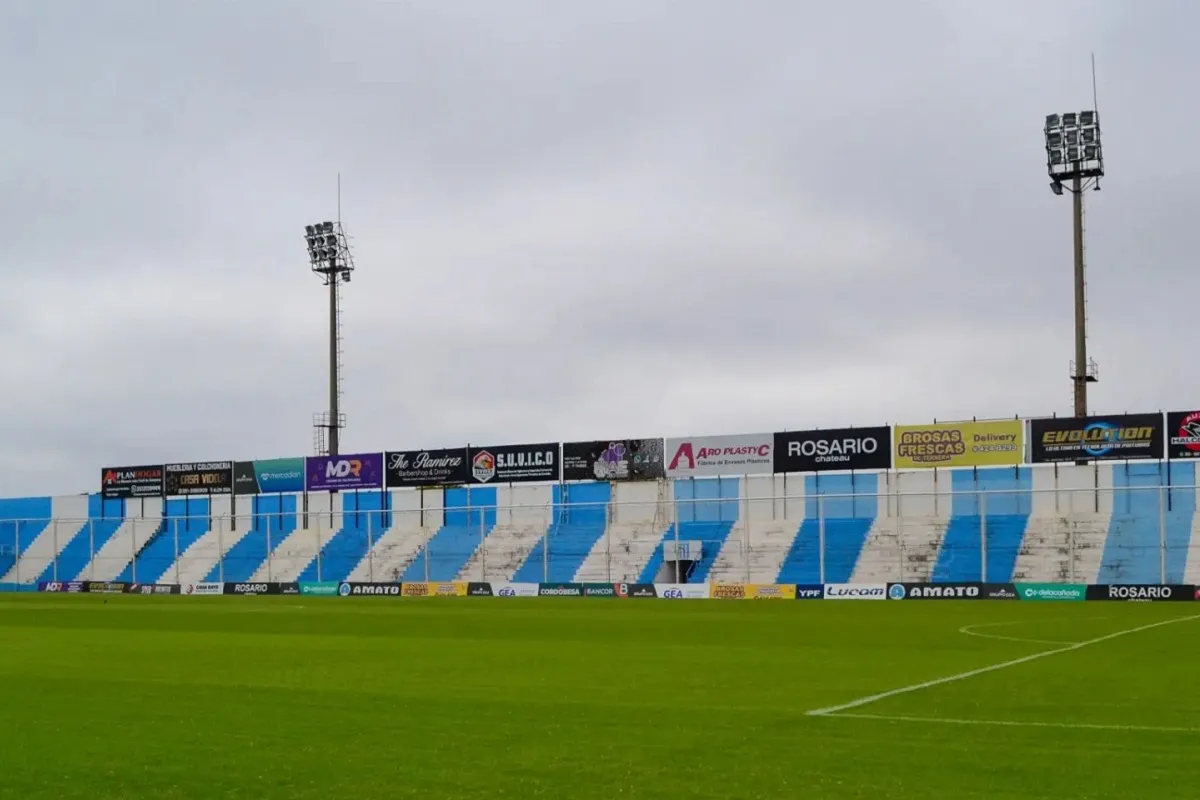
<point x="324" y="698"/>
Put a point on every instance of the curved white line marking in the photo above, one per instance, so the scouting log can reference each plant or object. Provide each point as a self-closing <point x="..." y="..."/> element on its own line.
<point x="967" y="629"/>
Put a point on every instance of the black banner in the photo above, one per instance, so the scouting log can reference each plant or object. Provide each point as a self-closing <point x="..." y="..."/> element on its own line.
<point x="426" y="468"/>
<point x="1113" y="438"/>
<point x="359" y="589"/>
<point x="212" y="477"/>
<point x="250" y="588"/>
<point x="289" y="588"/>
<point x="936" y="591"/>
<point x="74" y="587"/>
<point x="641" y="590"/>
<point x="613" y="460"/>
<point x="152" y="588"/>
<point x="145" y="481"/>
<point x="602" y="590"/>
<point x="998" y="591"/>
<point x="245" y="479"/>
<point x="810" y="591"/>
<point x="479" y="590"/>
<point x="838" y="448"/>
<point x="514" y="463"/>
<point x="105" y="587"/>
<point x="1144" y="592"/>
<point x="1183" y="434"/>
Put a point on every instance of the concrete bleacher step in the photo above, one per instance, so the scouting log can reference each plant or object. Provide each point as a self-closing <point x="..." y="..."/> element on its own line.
<point x="392" y="554"/>
<point x="291" y="556"/>
<point x="502" y="553"/>
<point x="621" y="554"/>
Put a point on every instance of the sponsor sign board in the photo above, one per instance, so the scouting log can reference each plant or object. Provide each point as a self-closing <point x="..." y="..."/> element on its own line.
<point x="349" y="472"/>
<point x="770" y="591"/>
<point x="251" y="588"/>
<point x="741" y="454"/>
<point x="601" y="589"/>
<point x="289" y="588"/>
<point x="613" y="460"/>
<point x="560" y="590"/>
<point x="144" y="481"/>
<point x="206" y="477"/>
<point x="320" y="588"/>
<point x="641" y="590"/>
<point x="514" y="463"/>
<point x="1051" y="591"/>
<point x="426" y="467"/>
<point x="934" y="591"/>
<point x="51" y="586"/>
<point x="810" y="591"/>
<point x="1117" y="437"/>
<point x="998" y="591"/>
<point x="856" y="591"/>
<point x="201" y="589"/>
<point x="414" y="589"/>
<point x="152" y="588"/>
<point x="960" y="444"/>
<point x="1143" y="592"/>
<point x="838" y="448"/>
<point x="434" y="589"/>
<point x="479" y="590"/>
<point x="268" y="476"/>
<point x="684" y="591"/>
<point x="1183" y="434"/>
<point x="515" y="589"/>
<point x="727" y="591"/>
<point x="104" y="587"/>
<point x="363" y="589"/>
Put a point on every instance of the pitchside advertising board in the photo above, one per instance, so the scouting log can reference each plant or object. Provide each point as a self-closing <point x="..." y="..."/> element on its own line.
<point x="1117" y="437"/>
<point x="413" y="468"/>
<point x="719" y="455"/>
<point x="348" y="472"/>
<point x="951" y="591"/>
<point x="838" y="448"/>
<point x="268" y="476"/>
<point x="1142" y="592"/>
<point x="514" y="463"/>
<point x="1183" y="434"/>
<point x="613" y="460"/>
<point x="960" y="444"/>
<point x="129" y="482"/>
<point x="212" y="477"/>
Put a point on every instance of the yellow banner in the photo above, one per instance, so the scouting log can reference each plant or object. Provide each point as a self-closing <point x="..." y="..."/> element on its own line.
<point x="960" y="444"/>
<point x="773" y="591"/>
<point x="728" y="591"/>
<point x="434" y="590"/>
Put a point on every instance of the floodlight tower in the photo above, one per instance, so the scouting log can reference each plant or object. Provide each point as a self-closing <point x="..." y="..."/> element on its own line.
<point x="329" y="257"/>
<point x="1075" y="161"/>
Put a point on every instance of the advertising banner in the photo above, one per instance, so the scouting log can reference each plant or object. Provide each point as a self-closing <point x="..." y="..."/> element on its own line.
<point x="1051" y="591"/>
<point x="320" y="588"/>
<point x="479" y="590"/>
<point x="362" y="589"/>
<point x="856" y="591"/>
<point x="73" y="587"/>
<point x="998" y="591"/>
<point x="105" y="587"/>
<point x="1183" y="434"/>
<point x="641" y="590"/>
<point x="1110" y="438"/>
<point x="250" y="588"/>
<point x="426" y="468"/>
<point x="144" y="481"/>
<point x="560" y="590"/>
<point x="210" y="477"/>
<point x="357" y="471"/>
<point x="934" y="591"/>
<point x="515" y="463"/>
<point x="515" y="589"/>
<point x="810" y="591"/>
<point x="684" y="591"/>
<point x="152" y="588"/>
<point x="601" y="589"/>
<point x="727" y="591"/>
<point x="1142" y="592"/>
<point x="202" y="589"/>
<point x="741" y="454"/>
<point x="838" y="448"/>
<point x="434" y="589"/>
<point x="960" y="444"/>
<point x="613" y="460"/>
<point x="268" y="476"/>
<point x="770" y="591"/>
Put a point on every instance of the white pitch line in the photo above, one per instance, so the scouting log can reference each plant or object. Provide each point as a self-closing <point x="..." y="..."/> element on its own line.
<point x="967" y="630"/>
<point x="862" y="701"/>
<point x="1017" y="724"/>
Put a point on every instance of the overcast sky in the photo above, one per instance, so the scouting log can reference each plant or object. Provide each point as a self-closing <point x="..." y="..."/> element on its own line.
<point x="575" y="220"/>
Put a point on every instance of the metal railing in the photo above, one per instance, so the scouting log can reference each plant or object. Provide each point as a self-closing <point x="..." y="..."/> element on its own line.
<point x="1058" y="534"/>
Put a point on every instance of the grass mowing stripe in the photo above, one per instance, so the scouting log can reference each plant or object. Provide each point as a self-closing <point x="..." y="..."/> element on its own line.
<point x="916" y="687"/>
<point x="1011" y="723"/>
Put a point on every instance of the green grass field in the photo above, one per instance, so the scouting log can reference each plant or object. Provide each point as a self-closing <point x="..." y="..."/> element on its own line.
<point x="289" y="697"/>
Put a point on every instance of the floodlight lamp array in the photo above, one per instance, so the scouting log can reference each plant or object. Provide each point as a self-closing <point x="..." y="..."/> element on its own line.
<point x="1073" y="145"/>
<point x="323" y="246"/>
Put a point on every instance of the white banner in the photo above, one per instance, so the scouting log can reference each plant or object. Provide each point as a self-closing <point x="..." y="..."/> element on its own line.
<point x="204" y="588"/>
<point x="856" y="591"/>
<point x="515" y="589"/>
<point x="742" y="454"/>
<point x="681" y="591"/>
